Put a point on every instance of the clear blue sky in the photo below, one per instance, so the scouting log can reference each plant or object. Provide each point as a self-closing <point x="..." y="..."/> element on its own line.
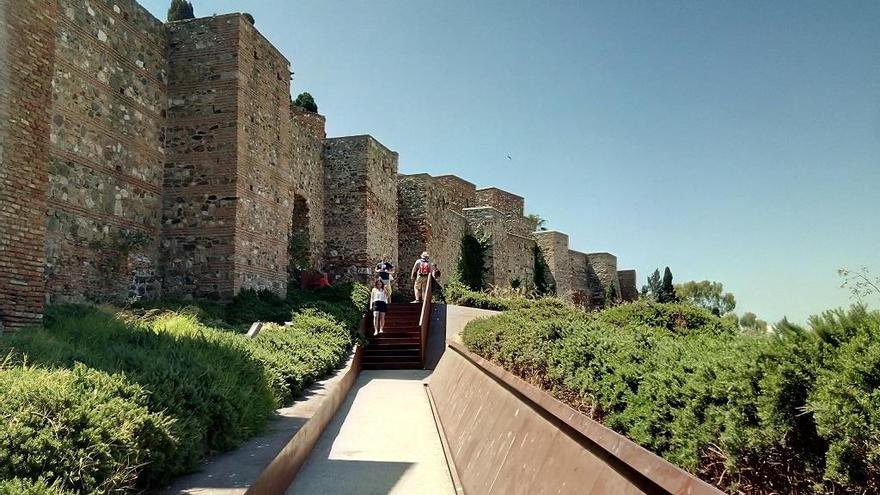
<point x="733" y="141"/>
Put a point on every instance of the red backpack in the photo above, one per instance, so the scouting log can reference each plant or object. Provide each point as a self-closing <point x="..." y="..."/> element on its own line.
<point x="424" y="267"/>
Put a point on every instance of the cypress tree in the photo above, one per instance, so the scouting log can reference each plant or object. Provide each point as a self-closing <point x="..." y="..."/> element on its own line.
<point x="180" y="10"/>
<point x="306" y="101"/>
<point x="667" y="290"/>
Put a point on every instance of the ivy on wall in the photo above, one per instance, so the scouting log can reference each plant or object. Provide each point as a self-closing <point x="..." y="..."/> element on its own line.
<point x="543" y="280"/>
<point x="471" y="268"/>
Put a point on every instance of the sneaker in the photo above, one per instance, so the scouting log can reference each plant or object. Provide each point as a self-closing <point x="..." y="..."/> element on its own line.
<point x="416" y="301"/>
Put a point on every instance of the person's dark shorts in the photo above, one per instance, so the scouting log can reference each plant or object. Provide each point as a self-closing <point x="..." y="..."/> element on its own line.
<point x="380" y="306"/>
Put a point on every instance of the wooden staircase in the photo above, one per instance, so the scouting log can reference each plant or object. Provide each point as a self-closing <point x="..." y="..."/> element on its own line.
<point x="402" y="344"/>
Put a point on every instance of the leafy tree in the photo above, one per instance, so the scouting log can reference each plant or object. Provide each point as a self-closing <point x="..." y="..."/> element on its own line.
<point x="860" y="283"/>
<point x="748" y="319"/>
<point x="706" y="294"/>
<point x="536" y="222"/>
<point x="249" y="18"/>
<point x="653" y="288"/>
<point x="306" y="101"/>
<point x="666" y="294"/>
<point x="180" y="10"/>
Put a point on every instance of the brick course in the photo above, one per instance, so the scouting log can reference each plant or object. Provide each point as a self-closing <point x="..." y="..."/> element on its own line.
<point x="115" y="126"/>
<point x="26" y="61"/>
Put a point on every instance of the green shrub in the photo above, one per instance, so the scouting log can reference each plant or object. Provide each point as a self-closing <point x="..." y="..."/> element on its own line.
<point x="797" y="411"/>
<point x="846" y="401"/>
<point x="175" y="388"/>
<point x="86" y="430"/>
<point x="205" y="379"/>
<point x="301" y="354"/>
<point x="17" y="486"/>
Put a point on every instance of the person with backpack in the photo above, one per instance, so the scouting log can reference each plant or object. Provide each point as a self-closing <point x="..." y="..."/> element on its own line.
<point x="421" y="270"/>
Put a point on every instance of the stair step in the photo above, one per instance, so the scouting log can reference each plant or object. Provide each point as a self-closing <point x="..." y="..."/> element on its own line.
<point x="406" y="365"/>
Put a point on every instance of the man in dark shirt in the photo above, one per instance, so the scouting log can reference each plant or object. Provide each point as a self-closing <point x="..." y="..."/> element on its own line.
<point x="384" y="270"/>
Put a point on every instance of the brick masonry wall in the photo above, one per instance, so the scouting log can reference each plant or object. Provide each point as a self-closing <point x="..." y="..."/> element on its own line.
<point x="487" y="223"/>
<point x="202" y="141"/>
<point x="308" y="174"/>
<point x="360" y="215"/>
<point x="106" y="155"/>
<point x="501" y="200"/>
<point x="265" y="185"/>
<point x="520" y="260"/>
<point x="26" y="59"/>
<point x="382" y="204"/>
<point x="427" y="222"/>
<point x="629" y="290"/>
<point x="554" y="245"/>
<point x="462" y="194"/>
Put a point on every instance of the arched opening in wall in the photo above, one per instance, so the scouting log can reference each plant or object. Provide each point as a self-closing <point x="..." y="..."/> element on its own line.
<point x="298" y="251"/>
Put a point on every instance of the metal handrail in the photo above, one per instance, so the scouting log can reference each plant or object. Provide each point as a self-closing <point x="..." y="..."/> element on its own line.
<point x="425" y="318"/>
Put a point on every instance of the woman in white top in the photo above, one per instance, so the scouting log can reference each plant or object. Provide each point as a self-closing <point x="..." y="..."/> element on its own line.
<point x="379" y="305"/>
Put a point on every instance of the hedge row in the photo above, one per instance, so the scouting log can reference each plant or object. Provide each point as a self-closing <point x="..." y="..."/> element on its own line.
<point x="459" y="294"/>
<point x="101" y="401"/>
<point x="793" y="412"/>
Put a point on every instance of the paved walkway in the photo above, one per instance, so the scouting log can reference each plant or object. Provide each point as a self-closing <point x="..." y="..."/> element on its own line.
<point x="382" y="441"/>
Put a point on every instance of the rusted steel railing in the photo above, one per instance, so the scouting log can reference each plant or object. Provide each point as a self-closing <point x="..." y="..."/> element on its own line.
<point x="425" y="318"/>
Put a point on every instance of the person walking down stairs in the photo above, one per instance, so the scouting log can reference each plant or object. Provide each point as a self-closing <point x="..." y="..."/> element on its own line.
<point x="379" y="304"/>
<point x="422" y="269"/>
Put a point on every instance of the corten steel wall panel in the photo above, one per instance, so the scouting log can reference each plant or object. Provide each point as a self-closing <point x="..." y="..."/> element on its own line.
<point x="27" y="54"/>
<point x="507" y="437"/>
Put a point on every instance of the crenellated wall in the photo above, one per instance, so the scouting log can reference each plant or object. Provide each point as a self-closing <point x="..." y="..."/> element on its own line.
<point x="360" y="216"/>
<point x="141" y="159"/>
<point x="266" y="177"/>
<point x="307" y="162"/>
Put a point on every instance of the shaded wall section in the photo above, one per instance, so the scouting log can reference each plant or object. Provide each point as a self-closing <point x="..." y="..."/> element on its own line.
<point x="106" y="156"/>
<point x="27" y="47"/>
<point x="629" y="290"/>
<point x="307" y="146"/>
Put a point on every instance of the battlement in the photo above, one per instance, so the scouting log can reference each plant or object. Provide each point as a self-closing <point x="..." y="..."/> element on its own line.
<point x="509" y="203"/>
<point x="183" y="136"/>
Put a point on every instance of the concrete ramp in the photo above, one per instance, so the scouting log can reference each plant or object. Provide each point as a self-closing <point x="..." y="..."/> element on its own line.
<point x="503" y="436"/>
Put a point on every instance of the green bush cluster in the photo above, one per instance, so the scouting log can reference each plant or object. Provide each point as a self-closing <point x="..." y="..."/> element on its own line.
<point x="797" y="411"/>
<point x="299" y="355"/>
<point x="17" y="486"/>
<point x="102" y="401"/>
<point x="457" y="293"/>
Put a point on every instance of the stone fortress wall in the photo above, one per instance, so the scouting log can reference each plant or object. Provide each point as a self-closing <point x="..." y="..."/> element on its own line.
<point x="142" y="159"/>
